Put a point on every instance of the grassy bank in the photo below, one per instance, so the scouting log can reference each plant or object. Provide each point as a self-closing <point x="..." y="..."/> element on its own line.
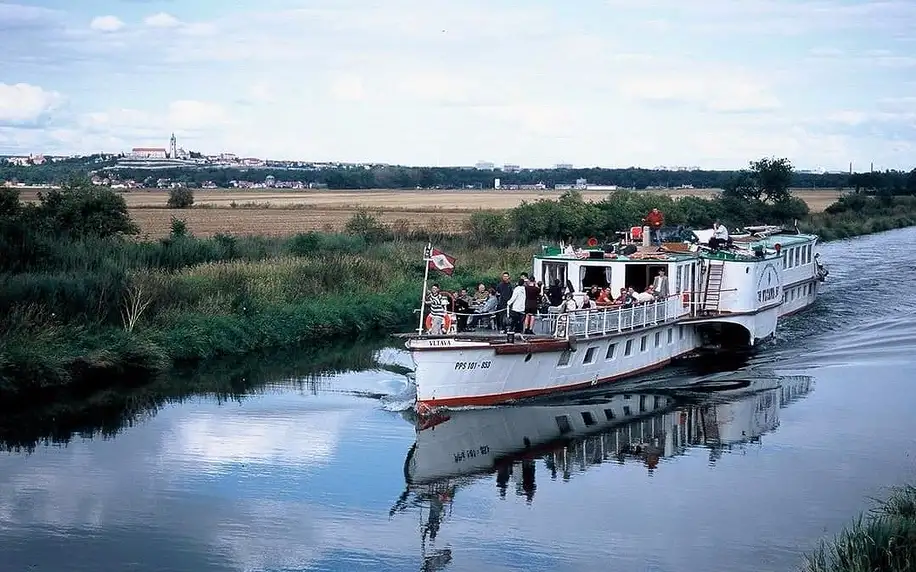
<point x="113" y="309"/>
<point x="884" y="539"/>
<point x="82" y="305"/>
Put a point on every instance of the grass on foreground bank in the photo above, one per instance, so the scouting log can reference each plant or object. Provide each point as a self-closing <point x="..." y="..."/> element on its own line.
<point x="80" y="307"/>
<point x="99" y="309"/>
<point x="884" y="540"/>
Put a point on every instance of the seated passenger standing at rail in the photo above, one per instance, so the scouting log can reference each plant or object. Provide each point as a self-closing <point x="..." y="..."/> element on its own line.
<point x="504" y="292"/>
<point x="569" y="304"/>
<point x="485" y="310"/>
<point x="555" y="293"/>
<point x="517" y="307"/>
<point x="436" y="304"/>
<point x="655" y="219"/>
<point x="462" y="309"/>
<point x="660" y="284"/>
<point x="481" y="295"/>
<point x="719" y="236"/>
<point x="532" y="301"/>
<point x="605" y="298"/>
<point x="647" y="296"/>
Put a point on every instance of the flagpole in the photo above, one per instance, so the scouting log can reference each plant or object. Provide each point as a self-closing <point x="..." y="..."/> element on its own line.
<point x="426" y="259"/>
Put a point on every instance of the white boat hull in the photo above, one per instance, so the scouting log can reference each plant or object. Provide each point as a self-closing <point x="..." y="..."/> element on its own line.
<point x="475" y="374"/>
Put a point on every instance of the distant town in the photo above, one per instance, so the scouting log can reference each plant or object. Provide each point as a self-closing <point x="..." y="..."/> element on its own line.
<point x="173" y="166"/>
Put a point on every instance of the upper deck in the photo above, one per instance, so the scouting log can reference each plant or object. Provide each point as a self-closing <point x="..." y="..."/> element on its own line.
<point x="646" y="254"/>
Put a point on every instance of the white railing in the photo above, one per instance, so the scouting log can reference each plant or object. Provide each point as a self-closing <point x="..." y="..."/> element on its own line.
<point x="605" y="321"/>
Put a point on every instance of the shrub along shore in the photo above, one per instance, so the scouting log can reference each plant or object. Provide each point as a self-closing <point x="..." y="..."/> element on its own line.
<point x="884" y="539"/>
<point x="83" y="304"/>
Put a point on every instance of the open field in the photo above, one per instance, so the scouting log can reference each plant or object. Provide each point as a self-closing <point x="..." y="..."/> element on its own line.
<point x="289" y="212"/>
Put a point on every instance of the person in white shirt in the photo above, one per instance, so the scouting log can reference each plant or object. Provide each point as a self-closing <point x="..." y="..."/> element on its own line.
<point x="719" y="236"/>
<point x="516" y="307"/>
<point x="644" y="296"/>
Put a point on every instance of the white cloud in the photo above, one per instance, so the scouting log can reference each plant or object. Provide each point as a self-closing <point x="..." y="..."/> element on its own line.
<point x="457" y="83"/>
<point x="162" y="20"/>
<point x="191" y="114"/>
<point x="308" y="439"/>
<point x="347" y="87"/>
<point x="106" y="24"/>
<point x="25" y="103"/>
<point x="716" y="91"/>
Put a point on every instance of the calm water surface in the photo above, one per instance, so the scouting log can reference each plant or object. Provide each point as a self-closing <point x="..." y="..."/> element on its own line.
<point x="324" y="475"/>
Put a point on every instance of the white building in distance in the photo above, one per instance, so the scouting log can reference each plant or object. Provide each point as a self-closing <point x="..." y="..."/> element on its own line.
<point x="148" y="153"/>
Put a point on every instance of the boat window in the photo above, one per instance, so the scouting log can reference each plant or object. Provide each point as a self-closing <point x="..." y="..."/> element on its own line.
<point x="637" y="277"/>
<point x="628" y="349"/>
<point x="564" y="358"/>
<point x="590" y="355"/>
<point x="680" y="333"/>
<point x="642" y="343"/>
<point x="610" y="351"/>
<point x="670" y="335"/>
<point x="587" y="418"/>
<point x="563" y="424"/>
<point x="658" y="339"/>
<point x="797" y="255"/>
<point x="595" y="276"/>
<point x="656" y="402"/>
<point x="609" y="414"/>
<point x="551" y="271"/>
<point x="680" y="271"/>
<point x="785" y="259"/>
<point x="627" y="411"/>
<point x="642" y="403"/>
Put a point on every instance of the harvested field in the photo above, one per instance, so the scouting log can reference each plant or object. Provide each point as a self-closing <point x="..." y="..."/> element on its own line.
<point x="288" y="212"/>
<point x="156" y="222"/>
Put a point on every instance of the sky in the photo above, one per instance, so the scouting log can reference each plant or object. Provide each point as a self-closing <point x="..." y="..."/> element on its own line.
<point x="610" y="83"/>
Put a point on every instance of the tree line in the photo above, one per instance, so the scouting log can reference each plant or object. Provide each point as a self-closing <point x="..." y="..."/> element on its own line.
<point x="400" y="177"/>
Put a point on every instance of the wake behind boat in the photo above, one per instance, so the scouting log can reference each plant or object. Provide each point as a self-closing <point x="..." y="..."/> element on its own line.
<point x="682" y="296"/>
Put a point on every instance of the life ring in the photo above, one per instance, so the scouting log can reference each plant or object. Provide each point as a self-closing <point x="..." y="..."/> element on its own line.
<point x="446" y="322"/>
<point x="685" y="298"/>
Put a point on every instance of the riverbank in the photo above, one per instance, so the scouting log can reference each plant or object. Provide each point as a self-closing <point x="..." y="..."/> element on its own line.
<point x="884" y="539"/>
<point x="81" y="312"/>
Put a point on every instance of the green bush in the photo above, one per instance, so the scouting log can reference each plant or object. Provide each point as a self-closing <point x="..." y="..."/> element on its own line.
<point x="180" y="198"/>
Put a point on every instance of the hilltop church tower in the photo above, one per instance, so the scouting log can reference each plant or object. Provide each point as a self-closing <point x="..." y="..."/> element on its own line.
<point x="173" y="147"/>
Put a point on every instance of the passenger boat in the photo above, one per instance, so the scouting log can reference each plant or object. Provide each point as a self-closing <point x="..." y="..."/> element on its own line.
<point x="730" y="297"/>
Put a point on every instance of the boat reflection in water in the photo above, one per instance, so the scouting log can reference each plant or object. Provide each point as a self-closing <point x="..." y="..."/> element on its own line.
<point x="457" y="447"/>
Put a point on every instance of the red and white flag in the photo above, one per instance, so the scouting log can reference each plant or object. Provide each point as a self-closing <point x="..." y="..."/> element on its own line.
<point x="441" y="261"/>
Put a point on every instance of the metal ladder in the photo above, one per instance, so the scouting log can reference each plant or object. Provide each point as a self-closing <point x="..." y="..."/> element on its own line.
<point x="713" y="287"/>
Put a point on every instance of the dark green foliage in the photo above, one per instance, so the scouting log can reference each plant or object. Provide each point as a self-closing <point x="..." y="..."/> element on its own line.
<point x="180" y="198"/>
<point x="884" y="540"/>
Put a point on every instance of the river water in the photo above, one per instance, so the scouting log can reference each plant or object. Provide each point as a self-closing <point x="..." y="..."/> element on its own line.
<point x="282" y="467"/>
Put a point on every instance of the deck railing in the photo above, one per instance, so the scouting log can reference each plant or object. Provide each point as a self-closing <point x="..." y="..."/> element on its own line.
<point x="600" y="322"/>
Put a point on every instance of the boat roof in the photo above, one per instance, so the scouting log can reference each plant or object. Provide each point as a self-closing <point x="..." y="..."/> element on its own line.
<point x="763" y="237"/>
<point x="646" y="255"/>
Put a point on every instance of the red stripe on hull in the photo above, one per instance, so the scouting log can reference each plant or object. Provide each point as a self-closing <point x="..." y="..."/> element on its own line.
<point x="497" y="398"/>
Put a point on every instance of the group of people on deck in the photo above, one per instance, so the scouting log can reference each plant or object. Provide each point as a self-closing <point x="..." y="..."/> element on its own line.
<point x="514" y="307"/>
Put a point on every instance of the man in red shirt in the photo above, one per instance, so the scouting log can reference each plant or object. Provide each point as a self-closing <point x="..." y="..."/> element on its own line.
<point x="655" y="220"/>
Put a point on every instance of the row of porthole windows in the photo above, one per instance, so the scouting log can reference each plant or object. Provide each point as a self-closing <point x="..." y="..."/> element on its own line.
<point x="797" y="256"/>
<point x="798" y="292"/>
<point x="591" y="354"/>
<point x="588" y="418"/>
